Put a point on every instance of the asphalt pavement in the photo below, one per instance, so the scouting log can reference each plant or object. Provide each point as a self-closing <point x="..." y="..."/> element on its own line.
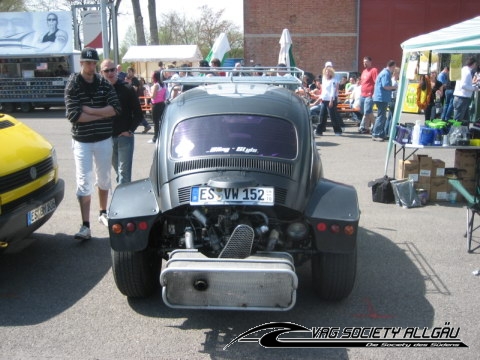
<point x="59" y="300"/>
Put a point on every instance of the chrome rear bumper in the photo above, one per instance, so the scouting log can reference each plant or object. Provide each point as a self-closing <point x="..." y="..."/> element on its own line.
<point x="264" y="281"/>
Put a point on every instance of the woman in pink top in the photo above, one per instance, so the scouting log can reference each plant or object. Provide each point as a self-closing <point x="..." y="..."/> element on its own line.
<point x="158" y="93"/>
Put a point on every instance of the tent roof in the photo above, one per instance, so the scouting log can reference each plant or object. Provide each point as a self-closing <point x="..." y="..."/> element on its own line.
<point x="163" y="53"/>
<point x="463" y="37"/>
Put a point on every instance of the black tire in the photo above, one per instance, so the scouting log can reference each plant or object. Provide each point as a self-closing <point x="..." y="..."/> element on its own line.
<point x="8" y="108"/>
<point x="334" y="274"/>
<point x="26" y="107"/>
<point x="136" y="274"/>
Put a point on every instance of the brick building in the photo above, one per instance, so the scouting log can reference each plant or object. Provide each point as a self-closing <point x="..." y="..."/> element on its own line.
<point x="344" y="31"/>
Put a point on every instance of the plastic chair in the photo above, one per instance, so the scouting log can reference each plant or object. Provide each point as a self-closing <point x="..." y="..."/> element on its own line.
<point x="473" y="208"/>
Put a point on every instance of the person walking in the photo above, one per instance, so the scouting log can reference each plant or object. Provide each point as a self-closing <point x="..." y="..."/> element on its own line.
<point x="124" y="124"/>
<point x="159" y="96"/>
<point x="464" y="89"/>
<point x="382" y="95"/>
<point x="91" y="103"/>
<point x="367" y="83"/>
<point x="329" y="102"/>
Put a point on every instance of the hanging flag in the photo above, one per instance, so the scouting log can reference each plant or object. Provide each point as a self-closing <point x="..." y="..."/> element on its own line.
<point x="219" y="49"/>
<point x="286" y="55"/>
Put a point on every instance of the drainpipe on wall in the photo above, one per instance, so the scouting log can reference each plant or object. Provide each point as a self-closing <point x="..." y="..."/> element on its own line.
<point x="356" y="66"/>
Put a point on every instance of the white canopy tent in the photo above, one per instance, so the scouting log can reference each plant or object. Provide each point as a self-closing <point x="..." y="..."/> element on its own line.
<point x="146" y="58"/>
<point x="463" y="37"/>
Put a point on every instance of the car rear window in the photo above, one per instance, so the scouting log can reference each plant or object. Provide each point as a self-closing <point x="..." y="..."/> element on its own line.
<point x="234" y="135"/>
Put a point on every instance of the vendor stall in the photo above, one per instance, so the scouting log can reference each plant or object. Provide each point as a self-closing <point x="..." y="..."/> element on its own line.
<point x="460" y="38"/>
<point x="145" y="58"/>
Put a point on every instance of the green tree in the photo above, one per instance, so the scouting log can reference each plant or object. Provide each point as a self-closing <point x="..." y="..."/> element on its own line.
<point x="176" y="29"/>
<point x="12" y="5"/>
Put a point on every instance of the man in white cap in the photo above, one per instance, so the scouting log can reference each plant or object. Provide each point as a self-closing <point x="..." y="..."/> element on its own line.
<point x="91" y="102"/>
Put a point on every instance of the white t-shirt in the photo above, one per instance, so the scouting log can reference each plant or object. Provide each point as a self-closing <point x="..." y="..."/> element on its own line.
<point x="329" y="89"/>
<point x="464" y="87"/>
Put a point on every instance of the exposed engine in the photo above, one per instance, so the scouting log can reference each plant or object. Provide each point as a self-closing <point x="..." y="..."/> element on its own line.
<point x="209" y="229"/>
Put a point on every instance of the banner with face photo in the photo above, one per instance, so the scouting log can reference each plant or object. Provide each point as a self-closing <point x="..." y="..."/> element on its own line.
<point x="36" y="33"/>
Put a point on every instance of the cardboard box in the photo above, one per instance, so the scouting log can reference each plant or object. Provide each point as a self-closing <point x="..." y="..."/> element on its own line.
<point x="424" y="168"/>
<point x="466" y="161"/>
<point x="439" y="188"/>
<point x="407" y="169"/>
<point x="438" y="167"/>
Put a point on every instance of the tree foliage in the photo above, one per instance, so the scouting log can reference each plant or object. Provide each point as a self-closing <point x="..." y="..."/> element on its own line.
<point x="176" y="29"/>
<point x="12" y="5"/>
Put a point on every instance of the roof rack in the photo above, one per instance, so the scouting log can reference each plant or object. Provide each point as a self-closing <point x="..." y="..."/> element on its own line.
<point x="246" y="75"/>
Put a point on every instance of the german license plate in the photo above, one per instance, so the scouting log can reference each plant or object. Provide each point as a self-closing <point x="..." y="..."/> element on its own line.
<point x="205" y="195"/>
<point x="41" y="211"/>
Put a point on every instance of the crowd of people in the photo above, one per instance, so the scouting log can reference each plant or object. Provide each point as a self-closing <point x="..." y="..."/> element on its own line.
<point x="438" y="96"/>
<point x="361" y="94"/>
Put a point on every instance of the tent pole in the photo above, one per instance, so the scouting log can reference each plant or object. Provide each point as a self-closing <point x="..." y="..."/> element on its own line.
<point x="402" y="85"/>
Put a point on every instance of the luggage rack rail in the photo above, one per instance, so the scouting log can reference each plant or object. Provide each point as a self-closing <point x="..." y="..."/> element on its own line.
<point x="245" y="75"/>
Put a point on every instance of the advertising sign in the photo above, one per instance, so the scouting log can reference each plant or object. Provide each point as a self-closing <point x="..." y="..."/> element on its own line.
<point x="410" y="104"/>
<point x="92" y="29"/>
<point x="26" y="33"/>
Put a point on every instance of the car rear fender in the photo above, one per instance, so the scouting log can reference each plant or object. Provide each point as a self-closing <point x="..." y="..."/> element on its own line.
<point x="333" y="205"/>
<point x="133" y="203"/>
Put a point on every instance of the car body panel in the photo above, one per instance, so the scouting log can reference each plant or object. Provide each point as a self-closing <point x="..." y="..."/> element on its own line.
<point x="21" y="146"/>
<point x="30" y="190"/>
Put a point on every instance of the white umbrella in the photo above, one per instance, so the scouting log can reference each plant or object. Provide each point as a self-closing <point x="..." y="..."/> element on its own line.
<point x="285" y="56"/>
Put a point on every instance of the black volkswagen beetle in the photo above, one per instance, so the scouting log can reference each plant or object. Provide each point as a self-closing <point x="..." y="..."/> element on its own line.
<point x="235" y="199"/>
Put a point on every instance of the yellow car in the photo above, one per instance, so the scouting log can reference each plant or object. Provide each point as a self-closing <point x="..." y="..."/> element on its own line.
<point x="30" y="190"/>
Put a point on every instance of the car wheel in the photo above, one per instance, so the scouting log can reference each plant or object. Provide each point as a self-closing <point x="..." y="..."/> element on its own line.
<point x="136" y="273"/>
<point x="26" y="107"/>
<point x="334" y="274"/>
<point x="8" y="108"/>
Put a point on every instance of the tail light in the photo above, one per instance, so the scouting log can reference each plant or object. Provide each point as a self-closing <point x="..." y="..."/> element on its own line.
<point x="336" y="228"/>
<point x="129" y="227"/>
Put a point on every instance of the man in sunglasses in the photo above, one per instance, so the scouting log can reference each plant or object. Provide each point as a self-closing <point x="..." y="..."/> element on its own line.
<point x="54" y="39"/>
<point x="124" y="124"/>
<point x="91" y="105"/>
